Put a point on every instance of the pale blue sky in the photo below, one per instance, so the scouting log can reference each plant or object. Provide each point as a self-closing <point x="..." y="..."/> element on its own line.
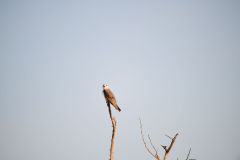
<point x="175" y="64"/>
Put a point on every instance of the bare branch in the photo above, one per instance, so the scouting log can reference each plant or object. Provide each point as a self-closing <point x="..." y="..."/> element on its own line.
<point x="168" y="136"/>
<point x="114" y="124"/>
<point x="156" y="152"/>
<point x="167" y="149"/>
<point x="188" y="154"/>
<point x="152" y="144"/>
<point x="172" y="142"/>
<point x="145" y="144"/>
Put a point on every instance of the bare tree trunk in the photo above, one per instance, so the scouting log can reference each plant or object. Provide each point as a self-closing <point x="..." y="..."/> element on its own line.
<point x="114" y="124"/>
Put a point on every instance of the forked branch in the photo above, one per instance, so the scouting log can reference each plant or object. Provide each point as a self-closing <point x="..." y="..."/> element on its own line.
<point x="155" y="155"/>
<point x="167" y="149"/>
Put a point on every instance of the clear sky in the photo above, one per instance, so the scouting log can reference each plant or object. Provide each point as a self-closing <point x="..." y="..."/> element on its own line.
<point x="175" y="64"/>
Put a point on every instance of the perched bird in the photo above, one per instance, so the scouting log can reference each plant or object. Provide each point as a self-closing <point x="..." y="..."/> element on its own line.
<point x="110" y="98"/>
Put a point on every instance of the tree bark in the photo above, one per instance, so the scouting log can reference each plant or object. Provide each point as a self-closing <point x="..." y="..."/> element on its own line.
<point x="114" y="124"/>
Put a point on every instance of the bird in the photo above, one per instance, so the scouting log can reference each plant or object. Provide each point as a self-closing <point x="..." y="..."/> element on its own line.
<point x="109" y="97"/>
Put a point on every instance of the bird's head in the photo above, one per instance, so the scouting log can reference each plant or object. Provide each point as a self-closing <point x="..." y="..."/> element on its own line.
<point x="105" y="86"/>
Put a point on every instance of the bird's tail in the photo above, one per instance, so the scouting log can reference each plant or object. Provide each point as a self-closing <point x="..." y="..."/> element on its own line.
<point x="118" y="108"/>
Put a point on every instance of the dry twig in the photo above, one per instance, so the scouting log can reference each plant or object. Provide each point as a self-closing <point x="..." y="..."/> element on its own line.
<point x="156" y="156"/>
<point x="188" y="154"/>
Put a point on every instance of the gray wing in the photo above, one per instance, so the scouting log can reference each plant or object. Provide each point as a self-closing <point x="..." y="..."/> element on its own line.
<point x="109" y="96"/>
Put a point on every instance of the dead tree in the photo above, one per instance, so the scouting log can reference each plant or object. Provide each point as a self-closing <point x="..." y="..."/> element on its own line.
<point x="155" y="153"/>
<point x="114" y="124"/>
